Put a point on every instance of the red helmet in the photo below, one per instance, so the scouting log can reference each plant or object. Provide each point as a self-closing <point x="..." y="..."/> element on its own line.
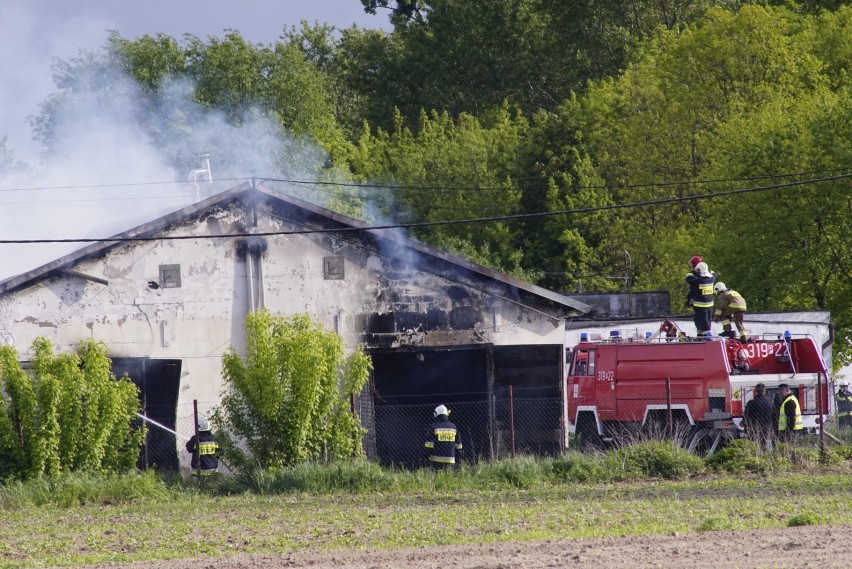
<point x="694" y="261"/>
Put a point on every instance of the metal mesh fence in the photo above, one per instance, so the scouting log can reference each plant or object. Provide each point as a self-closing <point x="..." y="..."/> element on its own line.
<point x="512" y="421"/>
<point x="168" y="430"/>
<point x="506" y="425"/>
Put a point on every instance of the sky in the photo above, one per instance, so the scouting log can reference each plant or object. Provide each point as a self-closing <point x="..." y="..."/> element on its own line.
<point x="100" y="144"/>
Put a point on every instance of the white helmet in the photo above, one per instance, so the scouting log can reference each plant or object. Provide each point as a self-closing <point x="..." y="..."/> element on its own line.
<point x="441" y="410"/>
<point x="702" y="269"/>
<point x="719" y="287"/>
<point x="203" y="423"/>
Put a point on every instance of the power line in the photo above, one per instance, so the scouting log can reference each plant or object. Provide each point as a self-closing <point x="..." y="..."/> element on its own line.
<point x="510" y="217"/>
<point x="378" y="186"/>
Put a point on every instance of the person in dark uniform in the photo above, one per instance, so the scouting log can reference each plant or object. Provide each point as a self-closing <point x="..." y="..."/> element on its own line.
<point x="789" y="415"/>
<point x="443" y="440"/>
<point x="700" y="298"/>
<point x="759" y="418"/>
<point x="204" y="450"/>
<point x="844" y="406"/>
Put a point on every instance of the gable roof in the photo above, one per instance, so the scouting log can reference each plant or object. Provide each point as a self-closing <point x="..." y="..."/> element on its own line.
<point x="317" y="216"/>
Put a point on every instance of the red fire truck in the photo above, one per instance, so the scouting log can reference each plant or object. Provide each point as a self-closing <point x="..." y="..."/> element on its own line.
<point x="697" y="389"/>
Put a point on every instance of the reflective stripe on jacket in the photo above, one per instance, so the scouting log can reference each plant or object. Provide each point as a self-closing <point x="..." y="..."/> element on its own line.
<point x="204" y="452"/>
<point x="844" y="403"/>
<point x="728" y="302"/>
<point x="700" y="290"/>
<point x="782" y="417"/>
<point x="443" y="440"/>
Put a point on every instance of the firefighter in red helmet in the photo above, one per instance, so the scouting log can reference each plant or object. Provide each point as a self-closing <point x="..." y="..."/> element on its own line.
<point x="694" y="261"/>
<point x="700" y="297"/>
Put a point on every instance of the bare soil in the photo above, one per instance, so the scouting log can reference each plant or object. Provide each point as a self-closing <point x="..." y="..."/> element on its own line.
<point x="798" y="547"/>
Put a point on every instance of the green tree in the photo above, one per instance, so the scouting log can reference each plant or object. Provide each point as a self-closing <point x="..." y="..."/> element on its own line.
<point x="67" y="413"/>
<point x="796" y="240"/>
<point x="288" y="400"/>
<point x="452" y="169"/>
<point x="652" y="130"/>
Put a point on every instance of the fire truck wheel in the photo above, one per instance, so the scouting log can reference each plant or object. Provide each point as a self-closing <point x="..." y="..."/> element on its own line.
<point x="587" y="432"/>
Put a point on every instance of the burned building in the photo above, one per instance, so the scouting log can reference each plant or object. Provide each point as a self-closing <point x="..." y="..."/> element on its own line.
<point x="170" y="296"/>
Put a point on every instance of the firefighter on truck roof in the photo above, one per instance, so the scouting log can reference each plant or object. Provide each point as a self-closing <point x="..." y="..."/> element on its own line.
<point x="730" y="305"/>
<point x="700" y="297"/>
<point x="443" y="440"/>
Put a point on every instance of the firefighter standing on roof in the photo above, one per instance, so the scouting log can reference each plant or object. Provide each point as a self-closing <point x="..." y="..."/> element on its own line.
<point x="700" y="281"/>
<point x="789" y="415"/>
<point x="730" y="305"/>
<point x="443" y="440"/>
<point x="844" y="406"/>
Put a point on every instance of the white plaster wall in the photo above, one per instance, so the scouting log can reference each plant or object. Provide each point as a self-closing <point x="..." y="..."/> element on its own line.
<point x="197" y="322"/>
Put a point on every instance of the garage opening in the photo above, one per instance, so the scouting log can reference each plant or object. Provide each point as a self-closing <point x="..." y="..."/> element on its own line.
<point x="505" y="400"/>
<point x="406" y="386"/>
<point x="158" y="382"/>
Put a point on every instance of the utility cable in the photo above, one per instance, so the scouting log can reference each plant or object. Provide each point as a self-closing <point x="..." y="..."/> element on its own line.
<point x="509" y="217"/>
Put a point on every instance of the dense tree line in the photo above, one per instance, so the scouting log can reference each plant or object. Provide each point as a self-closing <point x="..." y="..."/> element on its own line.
<point x="488" y="108"/>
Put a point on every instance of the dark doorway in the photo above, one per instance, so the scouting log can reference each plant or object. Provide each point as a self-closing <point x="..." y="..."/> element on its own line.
<point x="528" y="399"/>
<point x="408" y="385"/>
<point x="158" y="382"/>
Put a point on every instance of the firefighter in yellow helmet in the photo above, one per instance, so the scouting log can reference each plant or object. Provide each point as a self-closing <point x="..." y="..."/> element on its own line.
<point x="443" y="440"/>
<point x="730" y="305"/>
<point x="789" y="415"/>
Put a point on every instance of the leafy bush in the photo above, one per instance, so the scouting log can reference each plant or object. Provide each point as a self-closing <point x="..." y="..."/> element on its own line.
<point x="653" y="459"/>
<point x="744" y="455"/>
<point x="289" y="401"/>
<point x="580" y="467"/>
<point x="68" y="413"/>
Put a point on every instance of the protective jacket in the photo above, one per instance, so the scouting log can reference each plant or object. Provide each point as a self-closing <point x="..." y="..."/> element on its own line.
<point x="844" y="403"/>
<point x="443" y="441"/>
<point x="700" y="290"/>
<point x="790" y="415"/>
<point x="204" y="452"/>
<point x="728" y="302"/>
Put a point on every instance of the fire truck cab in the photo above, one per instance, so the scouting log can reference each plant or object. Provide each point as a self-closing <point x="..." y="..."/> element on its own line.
<point x="616" y="387"/>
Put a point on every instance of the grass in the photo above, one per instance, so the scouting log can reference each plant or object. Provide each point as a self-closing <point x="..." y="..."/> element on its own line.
<point x="647" y="490"/>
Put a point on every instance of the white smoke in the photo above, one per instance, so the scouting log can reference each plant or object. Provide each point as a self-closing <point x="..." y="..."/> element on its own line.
<point x="104" y="172"/>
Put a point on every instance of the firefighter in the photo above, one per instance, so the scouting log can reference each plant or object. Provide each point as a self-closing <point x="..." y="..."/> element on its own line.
<point x="759" y="418"/>
<point x="730" y="305"/>
<point x="204" y="450"/>
<point x="443" y="440"/>
<point x="844" y="406"/>
<point x="700" y="298"/>
<point x="789" y="415"/>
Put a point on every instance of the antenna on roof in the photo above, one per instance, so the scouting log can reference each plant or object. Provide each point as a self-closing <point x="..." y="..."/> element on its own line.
<point x="203" y="174"/>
